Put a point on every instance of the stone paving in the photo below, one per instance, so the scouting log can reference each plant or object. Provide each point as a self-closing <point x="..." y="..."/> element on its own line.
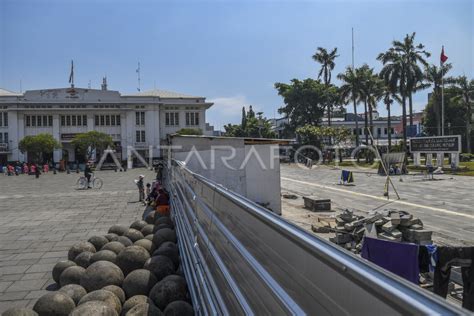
<point x="41" y="218"/>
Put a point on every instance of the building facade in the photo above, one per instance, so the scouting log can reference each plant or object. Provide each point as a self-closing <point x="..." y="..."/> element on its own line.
<point x="139" y="120"/>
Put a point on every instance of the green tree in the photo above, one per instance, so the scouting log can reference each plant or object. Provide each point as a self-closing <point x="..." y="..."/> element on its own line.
<point x="350" y="90"/>
<point x="464" y="90"/>
<point x="305" y="101"/>
<point x="434" y="78"/>
<point x="371" y="93"/>
<point x="94" y="140"/>
<point x="315" y="135"/>
<point x="401" y="67"/>
<point x="189" y="131"/>
<point x="456" y="115"/>
<point x="39" y="145"/>
<point x="244" y="118"/>
<point x="255" y="126"/>
<point x="326" y="59"/>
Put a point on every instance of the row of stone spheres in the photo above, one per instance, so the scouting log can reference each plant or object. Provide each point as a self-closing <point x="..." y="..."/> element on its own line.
<point x="130" y="271"/>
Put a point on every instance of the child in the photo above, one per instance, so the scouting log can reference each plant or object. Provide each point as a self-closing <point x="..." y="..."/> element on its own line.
<point x="148" y="189"/>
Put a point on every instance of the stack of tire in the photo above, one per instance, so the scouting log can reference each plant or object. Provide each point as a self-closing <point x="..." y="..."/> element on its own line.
<point x="130" y="271"/>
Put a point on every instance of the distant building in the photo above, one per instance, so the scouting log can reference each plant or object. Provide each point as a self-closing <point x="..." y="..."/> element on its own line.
<point x="140" y="120"/>
<point x="278" y="125"/>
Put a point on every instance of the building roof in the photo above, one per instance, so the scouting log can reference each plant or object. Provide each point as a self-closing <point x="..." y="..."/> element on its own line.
<point x="4" y="92"/>
<point x="162" y="94"/>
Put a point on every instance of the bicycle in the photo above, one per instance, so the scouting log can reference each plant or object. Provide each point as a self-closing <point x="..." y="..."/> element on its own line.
<point x="95" y="183"/>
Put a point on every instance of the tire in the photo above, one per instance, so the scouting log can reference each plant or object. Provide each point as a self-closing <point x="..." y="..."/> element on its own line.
<point x="81" y="183"/>
<point x="97" y="184"/>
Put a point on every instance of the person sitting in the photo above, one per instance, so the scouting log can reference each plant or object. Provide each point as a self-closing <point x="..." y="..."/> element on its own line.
<point x="162" y="202"/>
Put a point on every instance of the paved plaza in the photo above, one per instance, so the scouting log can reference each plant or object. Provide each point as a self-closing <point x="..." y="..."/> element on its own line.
<point x="445" y="205"/>
<point x="41" y="218"/>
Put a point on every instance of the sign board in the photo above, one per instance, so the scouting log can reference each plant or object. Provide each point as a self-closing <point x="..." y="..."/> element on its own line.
<point x="436" y="144"/>
<point x="68" y="136"/>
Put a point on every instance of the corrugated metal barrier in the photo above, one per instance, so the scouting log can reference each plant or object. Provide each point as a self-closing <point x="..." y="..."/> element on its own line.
<point x="239" y="258"/>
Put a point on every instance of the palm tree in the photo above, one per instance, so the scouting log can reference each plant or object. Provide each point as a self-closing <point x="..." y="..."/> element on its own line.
<point x="434" y="78"/>
<point x="350" y="91"/>
<point x="401" y="67"/>
<point x="465" y="90"/>
<point x="327" y="65"/>
<point x="372" y="88"/>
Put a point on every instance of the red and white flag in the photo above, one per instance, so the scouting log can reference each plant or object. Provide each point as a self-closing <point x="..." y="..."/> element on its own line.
<point x="443" y="57"/>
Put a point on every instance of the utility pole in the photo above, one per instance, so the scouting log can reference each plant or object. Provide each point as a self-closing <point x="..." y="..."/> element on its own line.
<point x="353" y="95"/>
<point x="138" y="73"/>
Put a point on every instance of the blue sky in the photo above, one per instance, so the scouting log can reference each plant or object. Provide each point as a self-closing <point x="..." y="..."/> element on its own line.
<point x="231" y="52"/>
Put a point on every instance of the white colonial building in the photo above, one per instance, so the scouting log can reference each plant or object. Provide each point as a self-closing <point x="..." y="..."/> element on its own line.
<point x="140" y="120"/>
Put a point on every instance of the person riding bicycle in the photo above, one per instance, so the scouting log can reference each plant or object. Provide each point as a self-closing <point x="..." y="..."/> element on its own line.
<point x="88" y="174"/>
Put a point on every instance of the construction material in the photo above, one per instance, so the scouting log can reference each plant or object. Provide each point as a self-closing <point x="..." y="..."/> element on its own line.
<point x="315" y="204"/>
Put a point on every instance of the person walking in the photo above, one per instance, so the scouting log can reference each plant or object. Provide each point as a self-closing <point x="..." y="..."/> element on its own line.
<point x="141" y="188"/>
<point x="37" y="171"/>
<point x="88" y="174"/>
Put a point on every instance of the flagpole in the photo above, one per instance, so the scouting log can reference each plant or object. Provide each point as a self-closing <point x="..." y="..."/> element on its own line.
<point x="442" y="94"/>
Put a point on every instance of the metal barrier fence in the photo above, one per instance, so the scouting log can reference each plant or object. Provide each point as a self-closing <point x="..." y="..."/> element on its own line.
<point x="239" y="258"/>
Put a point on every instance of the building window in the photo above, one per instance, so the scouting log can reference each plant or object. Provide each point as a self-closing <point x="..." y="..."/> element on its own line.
<point x="102" y="120"/>
<point x="96" y="120"/>
<point x="172" y="119"/>
<point x="137" y="136"/>
<point x="1" y="119"/>
<point x="79" y="120"/>
<point x="379" y="131"/>
<point x="33" y="120"/>
<point x="84" y="120"/>
<point x="38" y="121"/>
<point x="118" y="120"/>
<point x="192" y="118"/>
<point x="392" y="131"/>
<point x="5" y="119"/>
<point x="68" y="120"/>
<point x="28" y="123"/>
<point x="143" y="137"/>
<point x="50" y="120"/>
<point x="385" y="131"/>
<point x="140" y="118"/>
<point x="73" y="119"/>
<point x="107" y="120"/>
<point x="63" y="120"/>
<point x="112" y="120"/>
<point x="5" y="137"/>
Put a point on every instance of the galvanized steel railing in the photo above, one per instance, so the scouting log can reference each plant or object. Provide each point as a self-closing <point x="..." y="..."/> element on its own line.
<point x="239" y="258"/>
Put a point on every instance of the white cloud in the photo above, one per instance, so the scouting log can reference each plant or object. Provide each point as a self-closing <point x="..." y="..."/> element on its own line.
<point x="226" y="110"/>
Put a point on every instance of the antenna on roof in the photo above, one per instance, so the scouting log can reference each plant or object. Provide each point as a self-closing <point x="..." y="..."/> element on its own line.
<point x="138" y="73"/>
<point x="21" y="91"/>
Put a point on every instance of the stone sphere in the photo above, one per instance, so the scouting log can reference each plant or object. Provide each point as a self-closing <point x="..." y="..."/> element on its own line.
<point x="79" y="248"/>
<point x="118" y="229"/>
<point x="163" y="220"/>
<point x="104" y="296"/>
<point x="83" y="259"/>
<point x="54" y="304"/>
<point x="125" y="241"/>
<point x="170" y="289"/>
<point x="147" y="229"/>
<point x="74" y="291"/>
<point x="71" y="275"/>
<point x="114" y="246"/>
<point x="111" y="236"/>
<point x="144" y="309"/>
<point x="170" y="250"/>
<point x="104" y="255"/>
<point x="100" y="274"/>
<point x="138" y="225"/>
<point x="133" y="235"/>
<point x="161" y="266"/>
<point x="133" y="301"/>
<point x="145" y="243"/>
<point x="139" y="282"/>
<point x="19" y="311"/>
<point x="179" y="308"/>
<point x="163" y="235"/>
<point x="132" y="258"/>
<point x="149" y="237"/>
<point x="98" y="241"/>
<point x="161" y="226"/>
<point x="94" y="308"/>
<point x="60" y="267"/>
<point x="117" y="291"/>
<point x="150" y="218"/>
